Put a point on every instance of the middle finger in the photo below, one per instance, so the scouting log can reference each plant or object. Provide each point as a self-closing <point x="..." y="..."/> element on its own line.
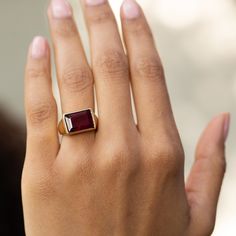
<point x="109" y="64"/>
<point x="74" y="74"/>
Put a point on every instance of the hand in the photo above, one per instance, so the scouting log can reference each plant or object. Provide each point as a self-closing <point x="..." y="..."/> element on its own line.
<point x="124" y="179"/>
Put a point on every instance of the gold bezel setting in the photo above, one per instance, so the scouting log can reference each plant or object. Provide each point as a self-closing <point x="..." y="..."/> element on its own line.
<point x="76" y="113"/>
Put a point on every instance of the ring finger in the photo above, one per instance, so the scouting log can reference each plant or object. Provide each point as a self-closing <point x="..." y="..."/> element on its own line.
<point x="73" y="72"/>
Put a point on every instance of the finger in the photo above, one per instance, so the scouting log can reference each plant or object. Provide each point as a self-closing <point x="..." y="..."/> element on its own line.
<point x="41" y="110"/>
<point x="73" y="72"/>
<point x="205" y="180"/>
<point x="109" y="63"/>
<point x="148" y="83"/>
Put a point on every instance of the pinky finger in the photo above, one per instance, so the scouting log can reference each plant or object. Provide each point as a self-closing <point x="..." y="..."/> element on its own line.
<point x="40" y="105"/>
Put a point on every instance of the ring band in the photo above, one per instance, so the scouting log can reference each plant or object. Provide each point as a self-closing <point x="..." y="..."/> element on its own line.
<point x="78" y="122"/>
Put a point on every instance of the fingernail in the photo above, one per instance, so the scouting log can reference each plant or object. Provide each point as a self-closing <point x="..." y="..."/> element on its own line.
<point x="39" y="47"/>
<point x="61" y="9"/>
<point x="226" y="126"/>
<point x="95" y="2"/>
<point x="131" y="9"/>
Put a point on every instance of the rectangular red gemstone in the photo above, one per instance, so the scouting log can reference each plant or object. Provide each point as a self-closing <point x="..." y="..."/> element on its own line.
<point x="79" y="121"/>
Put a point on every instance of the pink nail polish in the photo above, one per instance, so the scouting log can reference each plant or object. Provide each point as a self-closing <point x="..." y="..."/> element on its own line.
<point x="61" y="9"/>
<point x="39" y="47"/>
<point x="226" y="126"/>
<point x="131" y="9"/>
<point x="95" y="2"/>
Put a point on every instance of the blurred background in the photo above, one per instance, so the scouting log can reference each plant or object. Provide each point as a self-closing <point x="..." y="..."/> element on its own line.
<point x="197" y="43"/>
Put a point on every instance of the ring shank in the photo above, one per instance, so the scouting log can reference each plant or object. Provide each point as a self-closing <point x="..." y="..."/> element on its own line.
<point x="61" y="128"/>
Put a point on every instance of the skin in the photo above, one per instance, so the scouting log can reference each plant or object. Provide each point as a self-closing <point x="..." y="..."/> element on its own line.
<point x="126" y="178"/>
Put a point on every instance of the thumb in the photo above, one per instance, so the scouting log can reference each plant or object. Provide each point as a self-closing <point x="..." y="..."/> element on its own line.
<point x="205" y="180"/>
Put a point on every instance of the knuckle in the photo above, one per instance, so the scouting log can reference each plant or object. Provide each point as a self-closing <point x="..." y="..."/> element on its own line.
<point x="37" y="73"/>
<point x="77" y="79"/>
<point x="113" y="64"/>
<point x="221" y="165"/>
<point x="215" y="156"/>
<point x="140" y="29"/>
<point x="66" y="29"/>
<point x="167" y="157"/>
<point x="120" y="158"/>
<point x="149" y="68"/>
<point x="101" y="17"/>
<point x="82" y="169"/>
<point x="37" y="184"/>
<point x="39" y="113"/>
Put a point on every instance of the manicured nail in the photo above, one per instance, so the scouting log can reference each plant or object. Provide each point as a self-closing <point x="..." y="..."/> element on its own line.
<point x="226" y="126"/>
<point x="95" y="2"/>
<point x="61" y="9"/>
<point x="39" y="47"/>
<point x="131" y="9"/>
